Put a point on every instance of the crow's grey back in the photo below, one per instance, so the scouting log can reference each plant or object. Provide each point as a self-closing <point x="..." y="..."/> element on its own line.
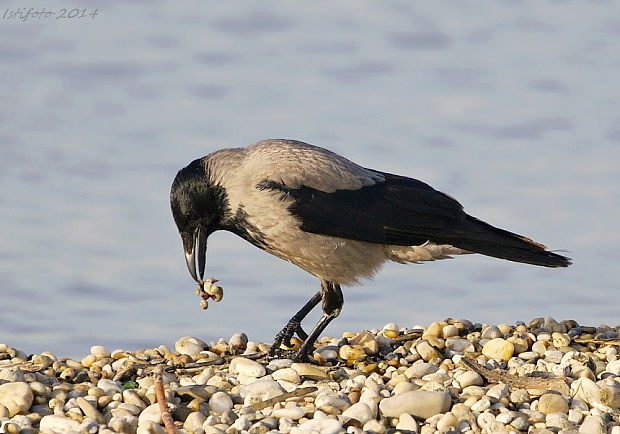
<point x="295" y="164"/>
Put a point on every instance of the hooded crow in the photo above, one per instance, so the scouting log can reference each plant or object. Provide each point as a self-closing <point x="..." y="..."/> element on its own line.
<point x="329" y="216"/>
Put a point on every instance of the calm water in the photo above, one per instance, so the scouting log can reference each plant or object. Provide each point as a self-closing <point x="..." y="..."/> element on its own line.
<point x="511" y="107"/>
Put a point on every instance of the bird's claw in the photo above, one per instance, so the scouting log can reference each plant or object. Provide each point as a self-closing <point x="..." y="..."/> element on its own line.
<point x="284" y="337"/>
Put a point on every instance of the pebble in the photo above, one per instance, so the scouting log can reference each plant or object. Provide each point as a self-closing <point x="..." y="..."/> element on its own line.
<point x="89" y="410"/>
<point x="287" y="374"/>
<point x="150" y="414"/>
<point x="247" y="367"/>
<point x="99" y="351"/>
<point x="367" y="342"/>
<point x="360" y="411"/>
<point x="469" y="378"/>
<point x="420" y="369"/>
<point x="407" y="422"/>
<point x="491" y="332"/>
<point x="557" y="420"/>
<point x="261" y="389"/>
<point x="109" y="387"/>
<point x="498" y="349"/>
<point x="379" y="381"/>
<point x="189" y="345"/>
<point x="552" y="403"/>
<point x="459" y="345"/>
<point x="323" y="426"/>
<point x="447" y="421"/>
<point x="593" y="425"/>
<point x="427" y="351"/>
<point x="220" y="402"/>
<point x="16" y="397"/>
<point x="310" y="371"/>
<point x="58" y="424"/>
<point x="498" y="391"/>
<point x="418" y="403"/>
<point x="238" y="340"/>
<point x="293" y="413"/>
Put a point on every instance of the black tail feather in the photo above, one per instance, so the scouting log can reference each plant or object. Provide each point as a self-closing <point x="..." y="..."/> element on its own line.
<point x="481" y="237"/>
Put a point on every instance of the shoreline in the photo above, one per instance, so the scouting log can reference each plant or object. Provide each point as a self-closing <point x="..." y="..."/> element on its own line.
<point x="450" y="376"/>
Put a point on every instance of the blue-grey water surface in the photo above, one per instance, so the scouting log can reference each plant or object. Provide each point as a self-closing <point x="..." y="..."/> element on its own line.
<point x="511" y="107"/>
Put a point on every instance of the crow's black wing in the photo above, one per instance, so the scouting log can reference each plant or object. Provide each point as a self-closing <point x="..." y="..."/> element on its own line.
<point x="404" y="211"/>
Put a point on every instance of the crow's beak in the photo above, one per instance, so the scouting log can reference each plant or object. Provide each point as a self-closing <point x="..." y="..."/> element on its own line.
<point x="196" y="252"/>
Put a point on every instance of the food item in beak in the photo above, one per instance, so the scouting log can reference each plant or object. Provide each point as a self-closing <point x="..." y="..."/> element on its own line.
<point x="208" y="289"/>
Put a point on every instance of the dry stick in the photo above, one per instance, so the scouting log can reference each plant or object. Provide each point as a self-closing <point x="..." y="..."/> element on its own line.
<point x="609" y="341"/>
<point x="161" y="401"/>
<point x="410" y="336"/>
<point x="510" y="380"/>
<point x="282" y="397"/>
<point x="26" y="366"/>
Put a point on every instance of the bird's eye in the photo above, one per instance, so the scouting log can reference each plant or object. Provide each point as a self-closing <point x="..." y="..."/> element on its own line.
<point x="192" y="215"/>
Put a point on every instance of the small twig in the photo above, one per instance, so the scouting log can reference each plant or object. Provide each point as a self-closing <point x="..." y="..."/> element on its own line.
<point x="409" y="336"/>
<point x="25" y="366"/>
<point x="513" y="381"/>
<point x="161" y="401"/>
<point x="255" y="356"/>
<point x="609" y="341"/>
<point x="283" y="397"/>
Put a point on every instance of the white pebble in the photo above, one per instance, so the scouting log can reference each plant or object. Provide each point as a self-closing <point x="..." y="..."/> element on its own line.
<point x="331" y="399"/>
<point x="99" y="351"/>
<point x="360" y="411"/>
<point x="418" y="403"/>
<point x="150" y="414"/>
<point x="420" y="369"/>
<point x="557" y="420"/>
<point x="247" y="367"/>
<point x="286" y="374"/>
<point x="194" y="421"/>
<point x="262" y="389"/>
<point x="470" y="378"/>
<point x="242" y="423"/>
<point x="593" y="425"/>
<point x="586" y="390"/>
<point x="447" y="421"/>
<point x="485" y="420"/>
<point x="407" y="422"/>
<point x="16" y="397"/>
<point x="293" y="413"/>
<point x="58" y="424"/>
<point x="110" y="387"/>
<point x="220" y="402"/>
<point x="482" y="404"/>
<point x="322" y="425"/>
<point x="373" y="426"/>
<point x="189" y="345"/>
<point x="498" y="391"/>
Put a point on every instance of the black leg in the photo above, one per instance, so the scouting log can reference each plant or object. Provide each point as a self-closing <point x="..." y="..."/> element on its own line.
<point x="333" y="300"/>
<point x="294" y="325"/>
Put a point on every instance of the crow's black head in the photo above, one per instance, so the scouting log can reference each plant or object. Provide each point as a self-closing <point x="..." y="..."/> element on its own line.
<point x="198" y="207"/>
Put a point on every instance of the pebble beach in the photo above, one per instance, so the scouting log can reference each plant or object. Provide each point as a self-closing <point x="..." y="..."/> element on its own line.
<point x="452" y="376"/>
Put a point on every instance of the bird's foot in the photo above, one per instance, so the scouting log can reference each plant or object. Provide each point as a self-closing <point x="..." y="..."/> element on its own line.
<point x="295" y="355"/>
<point x="284" y="336"/>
